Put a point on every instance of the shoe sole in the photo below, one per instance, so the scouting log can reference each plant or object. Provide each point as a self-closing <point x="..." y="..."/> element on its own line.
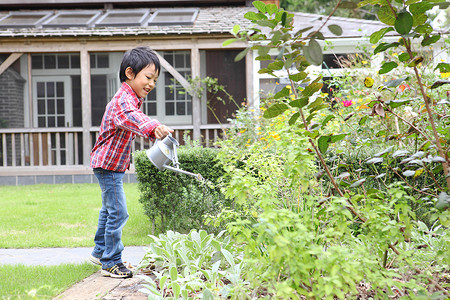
<point x="95" y="261"/>
<point x="108" y="274"/>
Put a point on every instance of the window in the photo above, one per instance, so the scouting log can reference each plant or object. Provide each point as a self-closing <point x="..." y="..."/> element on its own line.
<point x="168" y="102"/>
<point x="23" y="19"/>
<point x="72" y="19"/>
<point x="123" y="18"/>
<point x="173" y="17"/>
<point x="55" y="61"/>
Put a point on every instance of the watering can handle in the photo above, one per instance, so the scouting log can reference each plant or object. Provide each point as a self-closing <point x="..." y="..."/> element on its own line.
<point x="175" y="156"/>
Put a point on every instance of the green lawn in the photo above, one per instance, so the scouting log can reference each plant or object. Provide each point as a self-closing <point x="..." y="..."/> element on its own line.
<point x="40" y="282"/>
<point x="63" y="215"/>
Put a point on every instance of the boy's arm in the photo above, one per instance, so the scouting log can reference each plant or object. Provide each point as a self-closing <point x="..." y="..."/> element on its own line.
<point x="129" y="117"/>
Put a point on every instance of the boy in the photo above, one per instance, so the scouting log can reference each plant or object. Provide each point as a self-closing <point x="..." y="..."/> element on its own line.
<point x="110" y="157"/>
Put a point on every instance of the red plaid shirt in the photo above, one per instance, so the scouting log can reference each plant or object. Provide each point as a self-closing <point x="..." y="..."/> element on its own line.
<point x="122" y="121"/>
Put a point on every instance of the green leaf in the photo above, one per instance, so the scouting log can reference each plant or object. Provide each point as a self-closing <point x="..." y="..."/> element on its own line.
<point x="387" y="67"/>
<point x="294" y="118"/>
<point x="338" y="137"/>
<point x="404" y="23"/>
<point x="228" y="256"/>
<point x="375" y="160"/>
<point x="409" y="173"/>
<point x="207" y="295"/>
<point x="378" y="35"/>
<point x="241" y="54"/>
<point x="419" y="19"/>
<point x="424" y="28"/>
<point x="348" y="5"/>
<point x="335" y="29"/>
<point x="386" y="15"/>
<point x="398" y="102"/>
<point x="323" y="143"/>
<point x="443" y="67"/>
<point x="384" y="46"/>
<point x="275" y="110"/>
<point x="428" y="40"/>
<point x="162" y="283"/>
<point x="363" y="120"/>
<point x="420" y="7"/>
<point x="358" y="183"/>
<point x="327" y="119"/>
<point x="173" y="273"/>
<point x="267" y="23"/>
<point x="395" y="82"/>
<point x="439" y="83"/>
<point x="443" y="202"/>
<point x="313" y="52"/>
<point x="283" y="18"/>
<point x="276" y="65"/>
<point x="228" y="42"/>
<point x="283" y="93"/>
<point x="236" y="29"/>
<point x="271" y="8"/>
<point x="403" y="57"/>
<point x="300" y="102"/>
<point x="299" y="76"/>
<point x="261" y="6"/>
<point x="312" y="88"/>
<point x="252" y="16"/>
<point x="176" y="289"/>
<point x="387" y="150"/>
<point x="400" y="153"/>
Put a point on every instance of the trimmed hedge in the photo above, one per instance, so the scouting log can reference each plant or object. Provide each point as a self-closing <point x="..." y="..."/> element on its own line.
<point x="179" y="202"/>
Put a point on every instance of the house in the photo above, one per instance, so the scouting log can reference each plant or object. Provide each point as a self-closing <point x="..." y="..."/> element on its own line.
<point x="59" y="62"/>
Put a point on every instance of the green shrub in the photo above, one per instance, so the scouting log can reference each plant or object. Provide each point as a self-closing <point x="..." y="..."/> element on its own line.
<point x="179" y="201"/>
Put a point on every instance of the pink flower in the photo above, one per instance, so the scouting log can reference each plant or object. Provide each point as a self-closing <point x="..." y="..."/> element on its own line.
<point x="347" y="103"/>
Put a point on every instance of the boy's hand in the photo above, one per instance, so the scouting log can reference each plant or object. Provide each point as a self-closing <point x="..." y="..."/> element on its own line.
<point x="162" y="131"/>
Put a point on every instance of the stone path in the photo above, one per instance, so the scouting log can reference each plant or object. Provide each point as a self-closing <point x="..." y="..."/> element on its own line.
<point x="93" y="287"/>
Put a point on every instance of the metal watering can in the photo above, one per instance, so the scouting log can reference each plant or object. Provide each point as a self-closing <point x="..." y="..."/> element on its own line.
<point x="165" y="151"/>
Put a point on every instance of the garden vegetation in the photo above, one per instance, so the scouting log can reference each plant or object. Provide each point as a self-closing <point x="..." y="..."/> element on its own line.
<point x="342" y="195"/>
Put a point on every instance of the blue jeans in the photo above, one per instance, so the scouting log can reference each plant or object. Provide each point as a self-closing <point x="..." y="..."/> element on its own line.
<point x="112" y="218"/>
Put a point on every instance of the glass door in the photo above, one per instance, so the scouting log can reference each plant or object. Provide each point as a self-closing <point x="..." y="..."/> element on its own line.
<point x="52" y="105"/>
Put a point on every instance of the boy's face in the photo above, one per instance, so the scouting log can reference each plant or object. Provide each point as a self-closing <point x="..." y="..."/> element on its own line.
<point x="143" y="82"/>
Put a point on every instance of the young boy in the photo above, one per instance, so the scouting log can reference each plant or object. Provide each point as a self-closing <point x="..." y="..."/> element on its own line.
<point x="110" y="157"/>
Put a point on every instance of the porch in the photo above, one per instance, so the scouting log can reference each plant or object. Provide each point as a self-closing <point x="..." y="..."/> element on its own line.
<point x="57" y="155"/>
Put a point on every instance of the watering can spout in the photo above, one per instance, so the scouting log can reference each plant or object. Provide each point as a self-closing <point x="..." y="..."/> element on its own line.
<point x="165" y="151"/>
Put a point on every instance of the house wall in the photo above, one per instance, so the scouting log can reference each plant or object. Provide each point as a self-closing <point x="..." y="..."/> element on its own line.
<point x="11" y="99"/>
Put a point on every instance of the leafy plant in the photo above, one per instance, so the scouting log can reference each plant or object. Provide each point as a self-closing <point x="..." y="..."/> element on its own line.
<point x="180" y="202"/>
<point x="380" y="221"/>
<point x="192" y="266"/>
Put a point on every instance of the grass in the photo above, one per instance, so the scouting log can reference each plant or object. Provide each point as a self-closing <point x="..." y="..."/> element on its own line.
<point x="40" y="282"/>
<point x="63" y="215"/>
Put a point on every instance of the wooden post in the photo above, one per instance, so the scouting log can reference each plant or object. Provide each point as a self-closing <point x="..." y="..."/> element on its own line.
<point x="86" y="104"/>
<point x="196" y="104"/>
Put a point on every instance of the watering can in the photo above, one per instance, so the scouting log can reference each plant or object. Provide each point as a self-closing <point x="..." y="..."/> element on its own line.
<point x="165" y="151"/>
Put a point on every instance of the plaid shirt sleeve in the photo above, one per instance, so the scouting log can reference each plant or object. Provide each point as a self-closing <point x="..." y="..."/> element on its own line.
<point x="129" y="117"/>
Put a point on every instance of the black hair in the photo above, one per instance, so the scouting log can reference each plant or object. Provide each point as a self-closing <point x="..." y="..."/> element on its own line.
<point x="137" y="59"/>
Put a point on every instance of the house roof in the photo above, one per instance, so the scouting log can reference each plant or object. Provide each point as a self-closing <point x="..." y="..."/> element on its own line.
<point x="209" y="20"/>
<point x="352" y="28"/>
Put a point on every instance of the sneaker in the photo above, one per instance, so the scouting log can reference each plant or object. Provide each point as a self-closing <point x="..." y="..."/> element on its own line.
<point x="94" y="260"/>
<point x="117" y="271"/>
